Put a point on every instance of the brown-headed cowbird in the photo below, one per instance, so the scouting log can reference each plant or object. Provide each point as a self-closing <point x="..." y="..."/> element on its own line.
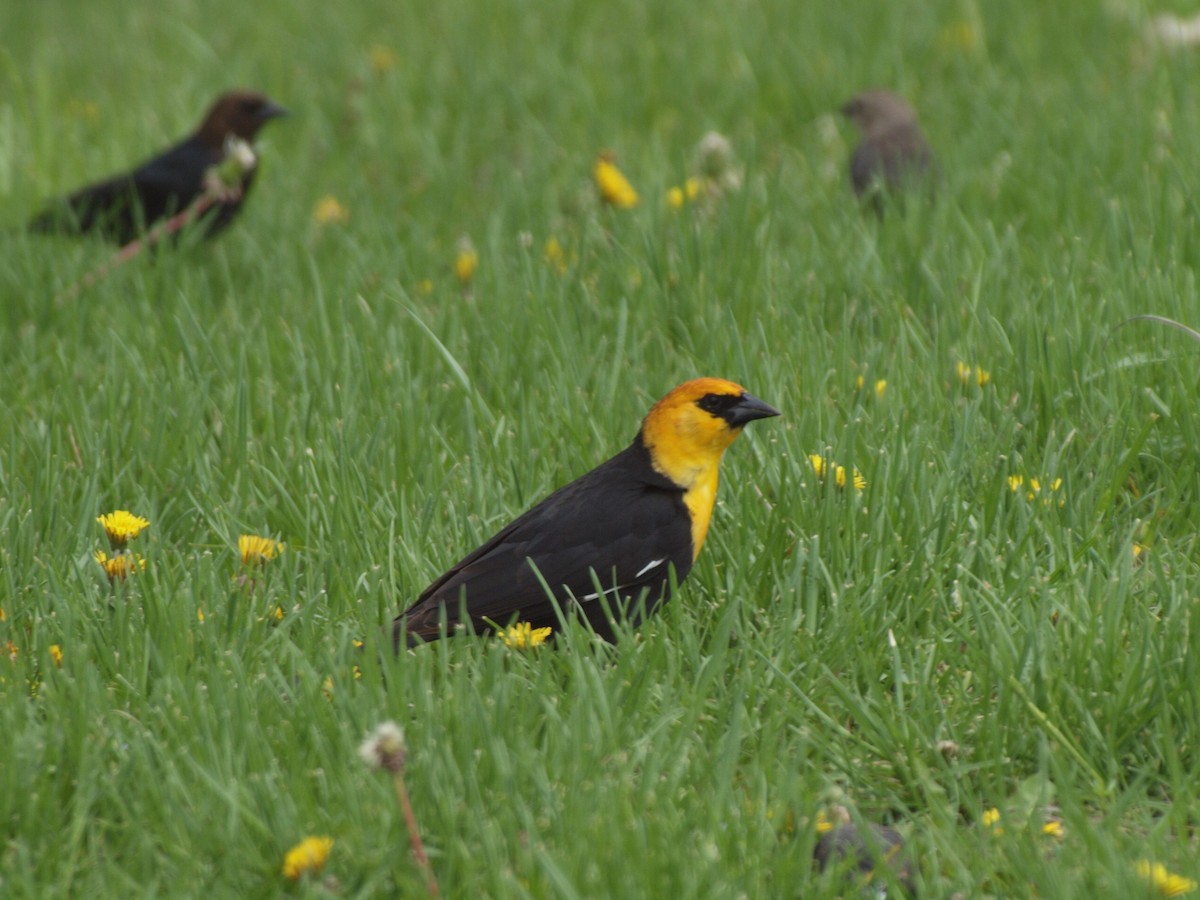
<point x="893" y="153"/>
<point x="123" y="207"/>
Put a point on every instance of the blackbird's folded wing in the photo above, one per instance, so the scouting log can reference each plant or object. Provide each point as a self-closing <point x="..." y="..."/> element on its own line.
<point x="628" y="529"/>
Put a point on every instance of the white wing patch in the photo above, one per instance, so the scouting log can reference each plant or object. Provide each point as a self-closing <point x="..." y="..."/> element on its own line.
<point x="650" y="565"/>
<point x="653" y="564"/>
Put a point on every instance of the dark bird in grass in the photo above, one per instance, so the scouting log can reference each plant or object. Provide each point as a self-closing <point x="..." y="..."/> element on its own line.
<point x="124" y="207"/>
<point x="893" y="154"/>
<point x="866" y="851"/>
<point x="606" y="544"/>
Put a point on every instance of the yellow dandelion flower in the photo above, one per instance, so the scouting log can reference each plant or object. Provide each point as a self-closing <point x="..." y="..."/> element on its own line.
<point x="256" y="549"/>
<point x="307" y="858"/>
<point x="818" y="464"/>
<point x="991" y="819"/>
<point x="200" y="615"/>
<point x="119" y="566"/>
<point x="685" y="193"/>
<point x="968" y="375"/>
<point x="1015" y="482"/>
<point x="1166" y="883"/>
<point x="1054" y="829"/>
<point x="614" y="187"/>
<point x="554" y="256"/>
<point x="959" y="36"/>
<point x="56" y="654"/>
<point x="880" y="388"/>
<point x="89" y="110"/>
<point x="841" y="477"/>
<point x="122" y="526"/>
<point x="823" y="824"/>
<point x="523" y="635"/>
<point x="466" y="262"/>
<point x="278" y="614"/>
<point x="383" y="59"/>
<point x="1138" y="551"/>
<point x="329" y="211"/>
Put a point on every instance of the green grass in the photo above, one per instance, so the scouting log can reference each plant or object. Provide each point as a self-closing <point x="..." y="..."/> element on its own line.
<point x="930" y="648"/>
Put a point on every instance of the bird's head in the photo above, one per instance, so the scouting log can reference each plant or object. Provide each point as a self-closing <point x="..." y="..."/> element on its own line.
<point x="687" y="431"/>
<point x="238" y="113"/>
<point x="875" y="109"/>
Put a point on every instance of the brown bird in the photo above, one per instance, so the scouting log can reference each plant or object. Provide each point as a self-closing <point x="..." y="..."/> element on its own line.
<point x="865" y="851"/>
<point x="125" y="206"/>
<point x="608" y="541"/>
<point x="893" y="153"/>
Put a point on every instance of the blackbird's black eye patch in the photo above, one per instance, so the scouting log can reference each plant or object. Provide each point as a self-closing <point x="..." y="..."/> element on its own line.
<point x="719" y="405"/>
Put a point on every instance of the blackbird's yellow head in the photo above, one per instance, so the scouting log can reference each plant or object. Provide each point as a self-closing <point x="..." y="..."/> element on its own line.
<point x="687" y="431"/>
<point x="238" y="113"/>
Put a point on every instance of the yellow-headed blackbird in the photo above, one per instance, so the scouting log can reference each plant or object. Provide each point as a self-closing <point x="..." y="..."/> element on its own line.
<point x="626" y="525"/>
<point x="893" y="152"/>
<point x="123" y="207"/>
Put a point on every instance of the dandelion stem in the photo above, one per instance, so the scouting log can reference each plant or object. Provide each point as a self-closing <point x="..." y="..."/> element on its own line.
<point x="414" y="834"/>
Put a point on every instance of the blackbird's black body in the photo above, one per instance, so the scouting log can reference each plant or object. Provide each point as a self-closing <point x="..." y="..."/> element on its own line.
<point x="123" y="207"/>
<point x="617" y="519"/>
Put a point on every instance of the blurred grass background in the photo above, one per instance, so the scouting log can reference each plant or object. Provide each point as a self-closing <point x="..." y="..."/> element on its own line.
<point x="930" y="648"/>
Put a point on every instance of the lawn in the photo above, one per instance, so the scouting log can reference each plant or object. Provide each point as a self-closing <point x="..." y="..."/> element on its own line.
<point x="1001" y="620"/>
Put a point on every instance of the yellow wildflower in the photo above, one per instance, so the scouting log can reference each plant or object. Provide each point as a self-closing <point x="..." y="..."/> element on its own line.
<point x="823" y="824"/>
<point x="840" y="475"/>
<point x="959" y="36"/>
<point x="56" y="654"/>
<point x="200" y="615"/>
<point x="688" y="191"/>
<point x="329" y="211"/>
<point x="880" y="388"/>
<point x="971" y="374"/>
<point x="554" y="256"/>
<point x="88" y="110"/>
<point x="382" y="59"/>
<point x="1054" y="828"/>
<point x="991" y="819"/>
<point x="467" y="260"/>
<point x="818" y="464"/>
<point x="614" y="187"/>
<point x="120" y="565"/>
<point x="12" y="650"/>
<point x="425" y="287"/>
<point x="1167" y="884"/>
<point x="122" y="526"/>
<point x="1034" y="488"/>
<point x="278" y="614"/>
<point x="523" y="635"/>
<point x="255" y="549"/>
<point x="307" y="857"/>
